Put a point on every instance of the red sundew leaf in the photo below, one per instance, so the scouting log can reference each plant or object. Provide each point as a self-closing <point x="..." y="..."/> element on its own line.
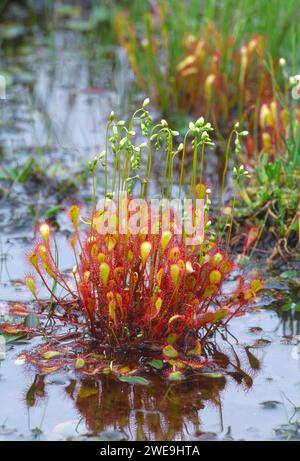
<point x="127" y="370"/>
<point x="51" y="354"/>
<point x="177" y="363"/>
<point x="196" y="350"/>
<point x="239" y="314"/>
<point x="251" y="238"/>
<point x="31" y="360"/>
<point x="212" y="374"/>
<point x="209" y="317"/>
<point x="221" y="313"/>
<point x="13" y="329"/>
<point x="171" y="338"/>
<point x="92" y="372"/>
<point x="68" y="337"/>
<point x="79" y="363"/>
<point x="50" y="369"/>
<point x="170" y="352"/>
<point x="194" y="365"/>
<point x="256" y="285"/>
<point x="174" y="319"/>
<point x="19" y="310"/>
<point x="176" y="376"/>
<point x="21" y="359"/>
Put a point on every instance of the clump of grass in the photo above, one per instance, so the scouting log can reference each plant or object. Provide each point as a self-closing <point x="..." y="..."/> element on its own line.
<point x="154" y="291"/>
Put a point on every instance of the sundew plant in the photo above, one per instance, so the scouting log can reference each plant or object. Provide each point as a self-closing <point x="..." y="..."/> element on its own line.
<point x="195" y="58"/>
<point x="214" y="75"/>
<point x="143" y="293"/>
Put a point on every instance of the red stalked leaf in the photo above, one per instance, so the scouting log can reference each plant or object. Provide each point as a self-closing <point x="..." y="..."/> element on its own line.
<point x="196" y="350"/>
<point x="51" y="354"/>
<point x="13" y="329"/>
<point x="251" y="238"/>
<point x="209" y="317"/>
<point x="19" y="310"/>
<point x="170" y="351"/>
<point x="221" y="313"/>
<point x="193" y="364"/>
<point x="50" y="369"/>
<point x="92" y="371"/>
<point x="176" y="376"/>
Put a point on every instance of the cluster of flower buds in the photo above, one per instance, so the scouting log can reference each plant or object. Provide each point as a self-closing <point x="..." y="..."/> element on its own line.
<point x="240" y="173"/>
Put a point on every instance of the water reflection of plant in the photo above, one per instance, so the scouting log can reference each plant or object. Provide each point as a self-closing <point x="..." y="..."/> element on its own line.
<point x="288" y="311"/>
<point x="160" y="411"/>
<point x="156" y="413"/>
<point x="36" y="391"/>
